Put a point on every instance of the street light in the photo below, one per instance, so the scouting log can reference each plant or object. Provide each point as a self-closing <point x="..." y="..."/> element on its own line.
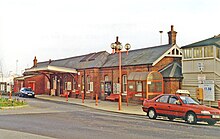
<point x="117" y="47"/>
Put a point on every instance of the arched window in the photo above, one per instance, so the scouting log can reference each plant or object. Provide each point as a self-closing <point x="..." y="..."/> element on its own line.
<point x="106" y="78"/>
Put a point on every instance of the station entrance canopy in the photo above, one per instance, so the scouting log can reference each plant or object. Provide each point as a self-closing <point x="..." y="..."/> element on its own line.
<point x="147" y="84"/>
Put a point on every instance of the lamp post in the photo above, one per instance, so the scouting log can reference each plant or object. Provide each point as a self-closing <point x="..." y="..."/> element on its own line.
<point x="161" y="36"/>
<point x="117" y="47"/>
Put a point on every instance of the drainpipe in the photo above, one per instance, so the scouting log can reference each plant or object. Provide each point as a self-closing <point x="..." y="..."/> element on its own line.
<point x="84" y="76"/>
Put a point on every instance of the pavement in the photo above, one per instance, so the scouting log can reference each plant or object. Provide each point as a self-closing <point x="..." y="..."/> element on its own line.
<point x="132" y="109"/>
<point x="8" y="134"/>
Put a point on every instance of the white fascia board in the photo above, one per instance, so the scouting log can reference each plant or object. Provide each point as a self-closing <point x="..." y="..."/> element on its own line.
<point x="61" y="69"/>
<point x="52" y="68"/>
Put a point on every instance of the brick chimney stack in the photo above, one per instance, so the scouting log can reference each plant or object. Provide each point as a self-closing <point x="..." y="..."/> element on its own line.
<point x="35" y="62"/>
<point x="172" y="36"/>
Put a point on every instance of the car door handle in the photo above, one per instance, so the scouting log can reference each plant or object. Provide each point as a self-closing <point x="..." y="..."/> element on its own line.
<point x="155" y="104"/>
<point x="168" y="106"/>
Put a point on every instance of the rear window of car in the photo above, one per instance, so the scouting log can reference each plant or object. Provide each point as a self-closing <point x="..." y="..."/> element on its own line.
<point x="163" y="99"/>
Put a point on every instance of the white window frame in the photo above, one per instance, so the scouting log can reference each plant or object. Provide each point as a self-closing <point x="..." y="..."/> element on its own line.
<point x="124" y="84"/>
<point x="67" y="86"/>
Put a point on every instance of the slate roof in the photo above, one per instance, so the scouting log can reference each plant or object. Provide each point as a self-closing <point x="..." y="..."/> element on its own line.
<point x="173" y="70"/>
<point x="210" y="41"/>
<point x="92" y="60"/>
<point x="144" y="56"/>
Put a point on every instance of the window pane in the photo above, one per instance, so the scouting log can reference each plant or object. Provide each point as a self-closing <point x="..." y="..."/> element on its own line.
<point x="197" y="52"/>
<point x="173" y="100"/>
<point x="155" y="87"/>
<point x="154" y="76"/>
<point x="218" y="53"/>
<point x="188" y="53"/>
<point x="124" y="82"/>
<point x="106" y="78"/>
<point x="208" y="51"/>
<point x="139" y="86"/>
<point x="163" y="99"/>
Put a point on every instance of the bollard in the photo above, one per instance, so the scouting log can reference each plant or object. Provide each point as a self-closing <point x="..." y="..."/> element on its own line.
<point x="127" y="99"/>
<point x="96" y="99"/>
<point x="82" y="96"/>
<point x="66" y="96"/>
<point x="119" y="102"/>
<point x="9" y="94"/>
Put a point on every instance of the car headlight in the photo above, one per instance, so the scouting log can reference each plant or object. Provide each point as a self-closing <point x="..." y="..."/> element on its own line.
<point x="205" y="112"/>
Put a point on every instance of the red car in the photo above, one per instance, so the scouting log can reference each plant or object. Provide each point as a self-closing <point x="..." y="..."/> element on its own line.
<point x="180" y="106"/>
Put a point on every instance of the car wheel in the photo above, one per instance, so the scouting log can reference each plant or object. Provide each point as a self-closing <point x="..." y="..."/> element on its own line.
<point x="171" y="118"/>
<point x="152" y="114"/>
<point x="211" y="122"/>
<point x="191" y="118"/>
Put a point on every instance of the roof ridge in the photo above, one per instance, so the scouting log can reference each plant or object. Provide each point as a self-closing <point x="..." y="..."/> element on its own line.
<point x="203" y="42"/>
<point x="217" y="36"/>
<point x="165" y="45"/>
<point x="72" y="57"/>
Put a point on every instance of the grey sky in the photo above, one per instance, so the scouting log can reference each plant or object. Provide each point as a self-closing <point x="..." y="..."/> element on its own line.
<point x="54" y="29"/>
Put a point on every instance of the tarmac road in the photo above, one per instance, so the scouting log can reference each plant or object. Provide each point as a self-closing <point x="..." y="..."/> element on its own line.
<point x="68" y="121"/>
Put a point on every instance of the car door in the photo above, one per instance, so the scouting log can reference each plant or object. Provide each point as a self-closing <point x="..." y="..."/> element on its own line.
<point x="161" y="105"/>
<point x="175" y="107"/>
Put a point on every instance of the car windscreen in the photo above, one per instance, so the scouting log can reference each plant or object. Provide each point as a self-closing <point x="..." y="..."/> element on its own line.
<point x="188" y="100"/>
<point x="27" y="89"/>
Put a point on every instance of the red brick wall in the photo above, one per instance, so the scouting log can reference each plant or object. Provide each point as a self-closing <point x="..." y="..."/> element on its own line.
<point x="163" y="63"/>
<point x="94" y="75"/>
<point x="39" y="81"/>
<point x="171" y="85"/>
<point x="18" y="85"/>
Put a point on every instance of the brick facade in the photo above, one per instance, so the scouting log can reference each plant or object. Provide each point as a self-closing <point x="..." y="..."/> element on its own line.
<point x="38" y="83"/>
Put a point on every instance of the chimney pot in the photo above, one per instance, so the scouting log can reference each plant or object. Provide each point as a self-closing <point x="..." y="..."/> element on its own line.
<point x="50" y="61"/>
<point x="35" y="61"/>
<point x="172" y="36"/>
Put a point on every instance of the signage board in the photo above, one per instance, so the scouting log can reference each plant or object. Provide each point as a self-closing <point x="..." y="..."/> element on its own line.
<point x="208" y="87"/>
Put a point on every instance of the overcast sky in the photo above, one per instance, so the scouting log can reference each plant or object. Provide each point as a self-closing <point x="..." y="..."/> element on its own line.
<point x="55" y="29"/>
